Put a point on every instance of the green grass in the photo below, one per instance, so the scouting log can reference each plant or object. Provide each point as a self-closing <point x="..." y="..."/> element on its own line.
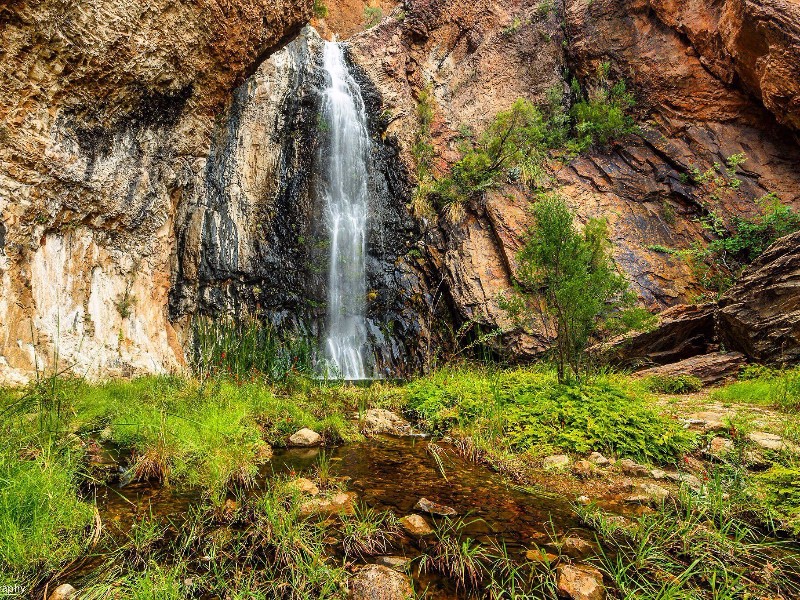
<point x="765" y="387"/>
<point x="679" y="384"/>
<point x="43" y="523"/>
<point x="523" y="409"/>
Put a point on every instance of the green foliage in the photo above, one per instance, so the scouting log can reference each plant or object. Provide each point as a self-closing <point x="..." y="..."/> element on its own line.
<point x="779" y="489"/>
<point x="372" y="16"/>
<point x="760" y="385"/>
<point x="424" y="153"/>
<point x="320" y="9"/>
<point x="603" y="115"/>
<point x="737" y="241"/>
<point x="573" y="273"/>
<point x="246" y="347"/>
<point x="368" y="532"/>
<point x="633" y="318"/>
<point x="678" y="384"/>
<point x="523" y="409"/>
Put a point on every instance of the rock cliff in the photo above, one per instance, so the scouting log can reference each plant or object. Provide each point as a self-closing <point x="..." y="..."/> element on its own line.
<point x="105" y="128"/>
<point x="157" y="160"/>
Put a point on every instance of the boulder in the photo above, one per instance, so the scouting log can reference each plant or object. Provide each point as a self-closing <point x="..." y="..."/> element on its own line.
<point x="708" y="368"/>
<point x="379" y="420"/>
<point x="305" y="438"/>
<point x="707" y="421"/>
<point x="377" y="582"/>
<point x="577" y="547"/>
<point x="760" y="315"/>
<point x="555" y="462"/>
<point x="433" y="508"/>
<point x="416" y="526"/>
<point x="580" y="582"/>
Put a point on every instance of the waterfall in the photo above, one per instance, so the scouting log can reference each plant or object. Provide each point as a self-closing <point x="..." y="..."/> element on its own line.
<point x="346" y="192"/>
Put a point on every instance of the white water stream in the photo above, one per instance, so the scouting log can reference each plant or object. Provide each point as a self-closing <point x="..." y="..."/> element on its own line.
<point x="346" y="192"/>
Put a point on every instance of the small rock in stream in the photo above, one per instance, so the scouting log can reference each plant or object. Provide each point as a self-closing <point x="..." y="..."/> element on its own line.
<point x="576" y="547"/>
<point x="580" y="582"/>
<point x="380" y="420"/>
<point x="341" y="503"/>
<point x="305" y="438"/>
<point x="538" y="555"/>
<point x="305" y="486"/>
<point x="398" y="563"/>
<point x="416" y="526"/>
<point x="647" y="493"/>
<point x="433" y="508"/>
<point x="376" y="582"/>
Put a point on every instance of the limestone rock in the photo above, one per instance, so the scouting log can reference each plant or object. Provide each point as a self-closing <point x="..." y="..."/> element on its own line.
<point x="580" y="582"/>
<point x="433" y="508"/>
<point x="376" y="582"/>
<point x="416" y="526"/>
<point x="305" y="438"/>
<point x="770" y="441"/>
<point x="647" y="493"/>
<point x="708" y="420"/>
<point x="760" y="314"/>
<point x="63" y="592"/>
<point x="380" y="420"/>
<point x="555" y="462"/>
<point x="709" y="368"/>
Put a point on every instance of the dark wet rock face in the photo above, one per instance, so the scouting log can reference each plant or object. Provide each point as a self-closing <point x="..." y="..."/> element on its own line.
<point x="256" y="241"/>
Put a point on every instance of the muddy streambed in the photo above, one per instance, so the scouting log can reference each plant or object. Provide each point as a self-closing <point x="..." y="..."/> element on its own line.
<point x="388" y="473"/>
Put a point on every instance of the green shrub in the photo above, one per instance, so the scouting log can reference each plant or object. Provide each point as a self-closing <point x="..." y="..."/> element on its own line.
<point x="372" y="16"/>
<point x="603" y="115"/>
<point x="677" y="384"/>
<point x="320" y="9"/>
<point x="521" y="409"/>
<point x="779" y="489"/>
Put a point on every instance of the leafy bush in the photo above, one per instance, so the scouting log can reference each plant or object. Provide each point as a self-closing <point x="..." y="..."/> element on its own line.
<point x="779" y="488"/>
<point x="679" y="384"/>
<point x="521" y="409"/>
<point x="602" y="115"/>
<point x="372" y="16"/>
<point x="320" y="9"/>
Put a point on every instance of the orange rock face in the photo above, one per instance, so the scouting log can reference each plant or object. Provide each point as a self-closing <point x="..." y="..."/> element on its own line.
<point x="705" y="76"/>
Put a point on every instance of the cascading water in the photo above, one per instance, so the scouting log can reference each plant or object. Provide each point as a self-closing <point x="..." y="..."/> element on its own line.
<point x="346" y="192"/>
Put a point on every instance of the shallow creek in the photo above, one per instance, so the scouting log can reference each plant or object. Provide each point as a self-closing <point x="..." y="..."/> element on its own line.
<point x="390" y="473"/>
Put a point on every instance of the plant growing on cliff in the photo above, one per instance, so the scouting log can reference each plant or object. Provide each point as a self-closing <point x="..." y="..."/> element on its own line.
<point x="372" y="16"/>
<point x="567" y="280"/>
<point x="320" y="9"/>
<point x="720" y="262"/>
<point x="424" y="153"/>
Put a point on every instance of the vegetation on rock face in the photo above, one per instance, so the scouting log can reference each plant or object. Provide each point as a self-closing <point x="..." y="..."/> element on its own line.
<point x="567" y="281"/>
<point x="517" y="143"/>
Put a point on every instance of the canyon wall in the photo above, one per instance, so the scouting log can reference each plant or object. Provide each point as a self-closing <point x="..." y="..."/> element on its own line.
<point x="712" y="79"/>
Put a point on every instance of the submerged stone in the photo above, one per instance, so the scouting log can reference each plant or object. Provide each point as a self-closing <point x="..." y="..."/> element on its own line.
<point x="398" y="563"/>
<point x="416" y="526"/>
<point x="433" y="508"/>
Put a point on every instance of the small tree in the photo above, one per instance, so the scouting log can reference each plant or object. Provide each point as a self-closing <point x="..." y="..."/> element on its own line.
<point x="567" y="280"/>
